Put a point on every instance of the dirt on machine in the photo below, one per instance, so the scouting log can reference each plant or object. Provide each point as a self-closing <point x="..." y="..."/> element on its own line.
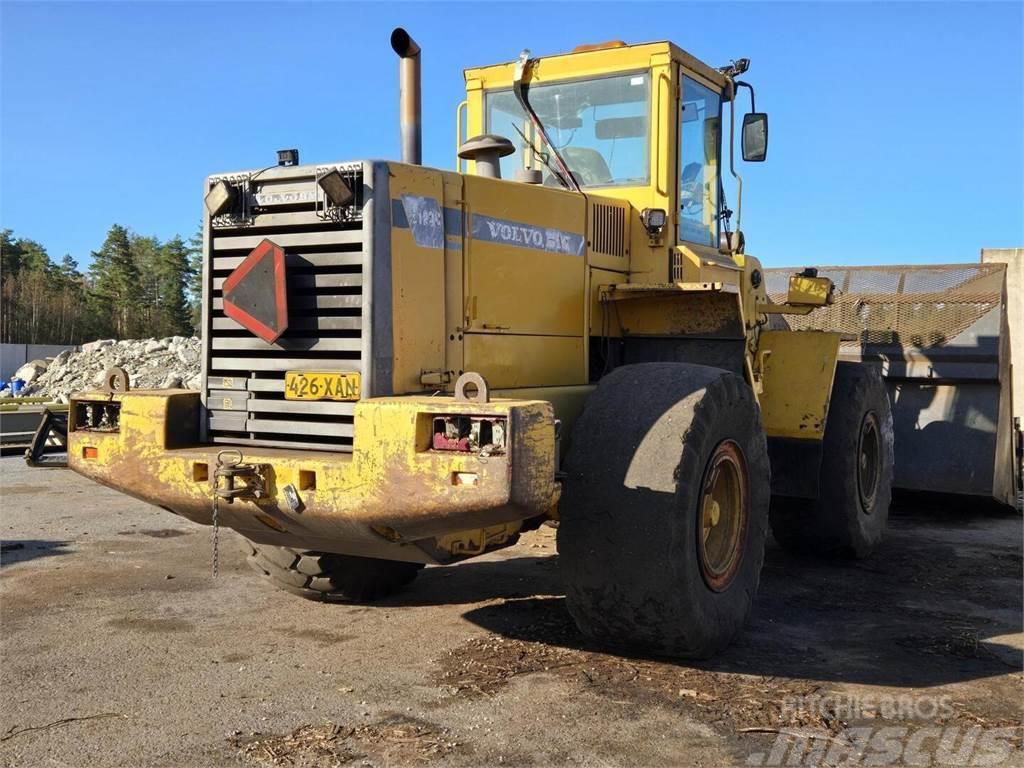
<point x="408" y="366"/>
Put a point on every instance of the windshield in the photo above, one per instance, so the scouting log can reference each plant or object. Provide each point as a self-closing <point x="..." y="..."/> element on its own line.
<point x="601" y="128"/>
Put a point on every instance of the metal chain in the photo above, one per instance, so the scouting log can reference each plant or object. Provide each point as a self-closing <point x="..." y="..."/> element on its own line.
<point x="216" y="536"/>
<point x="221" y="461"/>
<point x="230" y="467"/>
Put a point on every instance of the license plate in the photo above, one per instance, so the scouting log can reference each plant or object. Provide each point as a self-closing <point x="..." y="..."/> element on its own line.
<point x="311" y="385"/>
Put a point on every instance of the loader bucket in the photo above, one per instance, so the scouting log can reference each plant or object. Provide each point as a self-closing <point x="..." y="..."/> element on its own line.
<point x="940" y="335"/>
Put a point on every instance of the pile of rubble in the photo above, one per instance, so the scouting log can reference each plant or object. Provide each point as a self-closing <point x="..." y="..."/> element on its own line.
<point x="150" y="363"/>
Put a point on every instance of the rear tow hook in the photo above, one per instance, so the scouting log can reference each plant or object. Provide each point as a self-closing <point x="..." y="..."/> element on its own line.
<point x="233" y="479"/>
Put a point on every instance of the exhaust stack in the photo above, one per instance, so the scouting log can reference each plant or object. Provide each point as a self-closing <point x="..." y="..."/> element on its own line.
<point x="410" y="99"/>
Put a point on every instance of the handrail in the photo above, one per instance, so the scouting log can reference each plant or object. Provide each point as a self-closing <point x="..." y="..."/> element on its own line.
<point x="459" y="111"/>
<point x="659" y="166"/>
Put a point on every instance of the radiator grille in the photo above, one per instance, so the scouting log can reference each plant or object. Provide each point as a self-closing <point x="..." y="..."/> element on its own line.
<point x="608" y="230"/>
<point x="327" y="261"/>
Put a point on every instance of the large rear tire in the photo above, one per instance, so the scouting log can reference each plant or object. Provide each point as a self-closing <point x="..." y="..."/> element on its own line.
<point x="328" y="576"/>
<point x="849" y="516"/>
<point x="665" y="509"/>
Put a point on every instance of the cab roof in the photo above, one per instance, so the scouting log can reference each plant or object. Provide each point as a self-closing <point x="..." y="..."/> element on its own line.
<point x="591" y="60"/>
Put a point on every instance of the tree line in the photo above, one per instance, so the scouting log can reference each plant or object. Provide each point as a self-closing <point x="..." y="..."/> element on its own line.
<point x="135" y="287"/>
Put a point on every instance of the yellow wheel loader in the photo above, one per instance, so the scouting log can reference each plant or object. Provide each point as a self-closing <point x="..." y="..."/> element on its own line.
<point x="406" y="365"/>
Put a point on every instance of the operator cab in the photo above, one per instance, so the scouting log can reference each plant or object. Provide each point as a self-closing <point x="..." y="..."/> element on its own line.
<point x="620" y="117"/>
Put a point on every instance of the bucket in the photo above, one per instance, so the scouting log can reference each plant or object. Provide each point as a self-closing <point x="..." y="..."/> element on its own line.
<point x="16" y="386"/>
<point x="939" y="334"/>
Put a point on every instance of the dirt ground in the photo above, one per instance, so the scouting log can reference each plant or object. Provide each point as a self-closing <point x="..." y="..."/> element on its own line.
<point x="120" y="649"/>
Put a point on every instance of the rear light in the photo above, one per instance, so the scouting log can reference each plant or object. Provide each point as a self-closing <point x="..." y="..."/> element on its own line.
<point x="470" y="434"/>
<point x="97" y="416"/>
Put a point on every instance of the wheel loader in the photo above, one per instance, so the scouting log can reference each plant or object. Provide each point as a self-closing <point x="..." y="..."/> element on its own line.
<point x="408" y="366"/>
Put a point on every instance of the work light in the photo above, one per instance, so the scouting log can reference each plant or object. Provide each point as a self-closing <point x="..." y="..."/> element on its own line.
<point x="335" y="188"/>
<point x="653" y="220"/>
<point x="220" y="198"/>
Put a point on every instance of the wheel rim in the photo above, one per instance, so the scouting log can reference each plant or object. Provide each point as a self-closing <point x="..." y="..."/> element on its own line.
<point x="723" y="512"/>
<point x="869" y="461"/>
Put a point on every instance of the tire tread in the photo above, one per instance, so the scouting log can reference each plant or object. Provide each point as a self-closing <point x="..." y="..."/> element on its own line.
<point x="329" y="576"/>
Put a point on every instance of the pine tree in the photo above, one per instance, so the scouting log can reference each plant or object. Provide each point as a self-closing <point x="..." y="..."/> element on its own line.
<point x="116" y="291"/>
<point x="70" y="321"/>
<point x="136" y="286"/>
<point x="68" y="270"/>
<point x="173" y="277"/>
<point x="26" y="284"/>
<point x="195" y="286"/>
<point x="146" y="257"/>
<point x="10" y="265"/>
<point x="10" y="255"/>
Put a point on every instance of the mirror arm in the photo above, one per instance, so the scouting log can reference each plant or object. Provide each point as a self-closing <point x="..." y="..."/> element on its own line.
<point x="749" y="87"/>
<point x="521" y="96"/>
<point x="732" y="144"/>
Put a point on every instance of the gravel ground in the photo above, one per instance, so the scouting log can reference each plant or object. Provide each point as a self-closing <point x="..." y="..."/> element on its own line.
<point x="119" y="648"/>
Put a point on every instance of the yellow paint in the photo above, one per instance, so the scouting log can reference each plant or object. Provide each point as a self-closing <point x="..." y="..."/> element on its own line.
<point x="524" y="318"/>
<point x="670" y="310"/>
<point x="418" y="287"/>
<point x="517" y="289"/>
<point x="392" y="480"/>
<point x="476" y="542"/>
<point x="796" y="370"/>
<point x="508" y="360"/>
<point x="665" y="64"/>
<point x="600" y="212"/>
<point x="805" y="294"/>
<point x="816" y="291"/>
<point x="454" y="293"/>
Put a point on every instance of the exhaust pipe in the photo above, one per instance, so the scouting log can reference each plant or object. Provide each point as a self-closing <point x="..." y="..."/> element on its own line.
<point x="410" y="98"/>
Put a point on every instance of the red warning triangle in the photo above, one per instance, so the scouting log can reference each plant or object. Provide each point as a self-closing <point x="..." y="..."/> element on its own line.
<point x="256" y="293"/>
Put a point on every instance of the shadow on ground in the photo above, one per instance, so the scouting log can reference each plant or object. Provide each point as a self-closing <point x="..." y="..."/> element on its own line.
<point x="22" y="550"/>
<point x="918" y="613"/>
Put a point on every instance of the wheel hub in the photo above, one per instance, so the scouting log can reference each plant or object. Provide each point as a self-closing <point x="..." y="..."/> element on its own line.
<point x="724" y="504"/>
<point x="869" y="461"/>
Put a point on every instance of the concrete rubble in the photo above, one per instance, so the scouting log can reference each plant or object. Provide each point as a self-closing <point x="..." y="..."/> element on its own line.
<point x="171" y="362"/>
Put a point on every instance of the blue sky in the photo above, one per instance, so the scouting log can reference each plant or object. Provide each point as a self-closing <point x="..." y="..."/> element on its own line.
<point x="896" y="129"/>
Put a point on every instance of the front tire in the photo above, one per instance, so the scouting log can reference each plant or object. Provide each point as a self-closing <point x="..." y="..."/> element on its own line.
<point x="328" y="576"/>
<point x="849" y="516"/>
<point x="664" y="511"/>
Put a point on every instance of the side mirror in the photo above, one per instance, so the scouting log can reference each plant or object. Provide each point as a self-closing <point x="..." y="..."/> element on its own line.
<point x="755" y="137"/>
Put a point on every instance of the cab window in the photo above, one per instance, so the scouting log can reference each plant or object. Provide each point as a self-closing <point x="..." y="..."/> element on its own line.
<point x="699" y="132"/>
<point x="601" y="128"/>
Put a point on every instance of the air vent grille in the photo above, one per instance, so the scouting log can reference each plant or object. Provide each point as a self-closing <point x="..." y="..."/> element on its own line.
<point x="608" y="230"/>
